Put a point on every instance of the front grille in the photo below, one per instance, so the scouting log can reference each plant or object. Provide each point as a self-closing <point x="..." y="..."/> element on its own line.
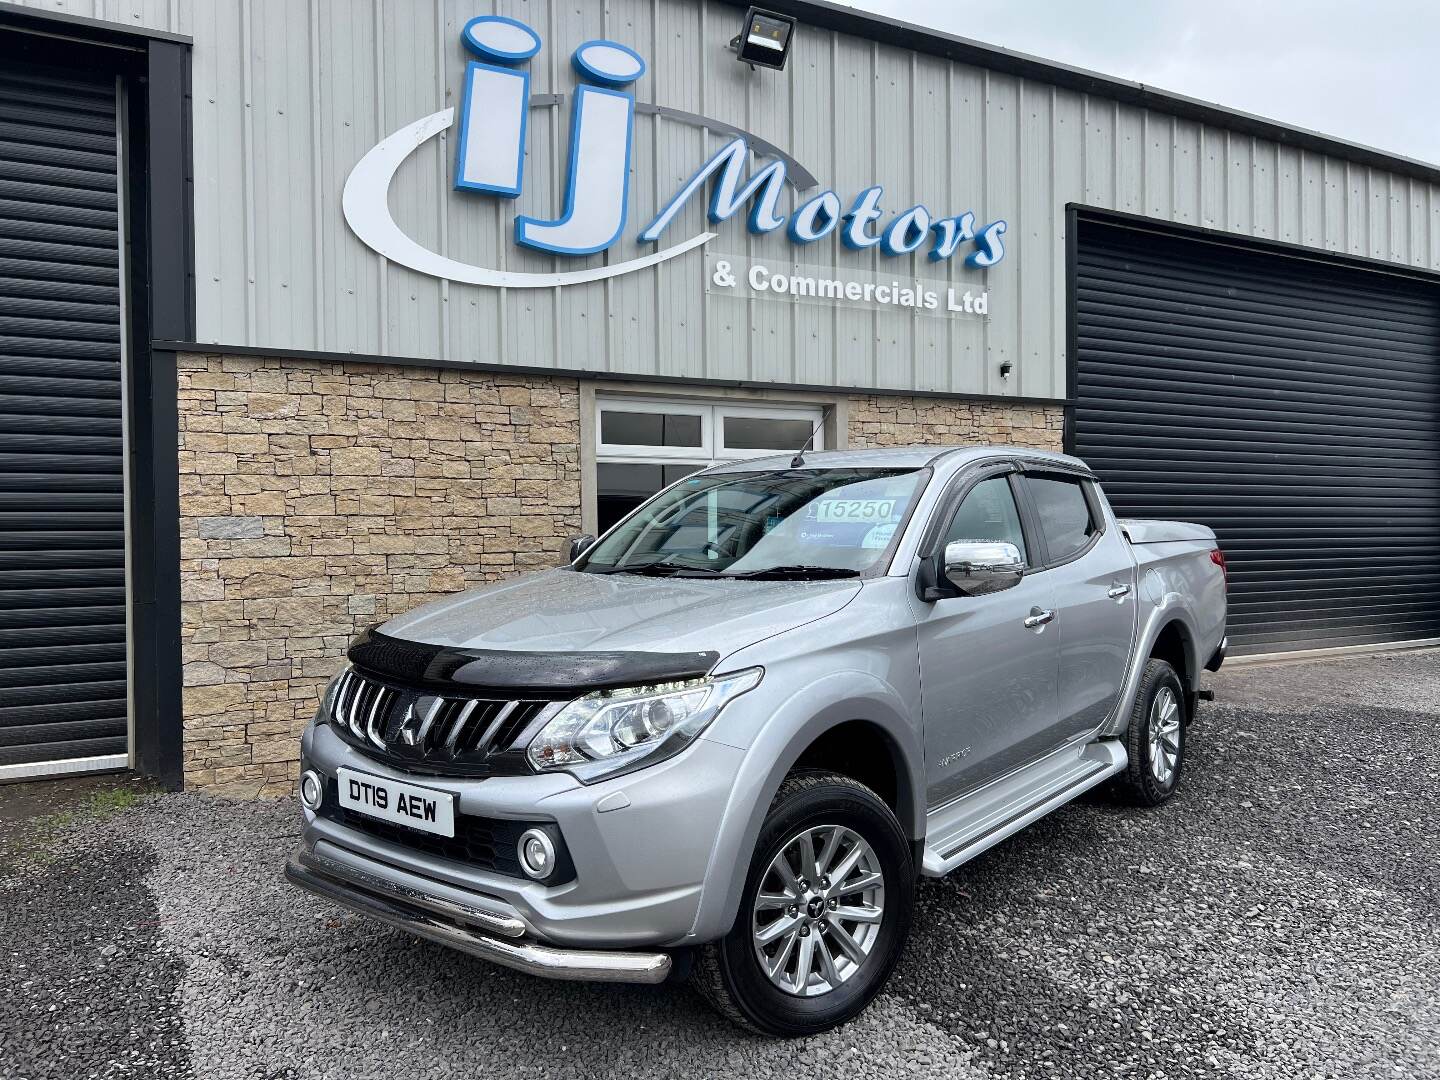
<point x="482" y="843"/>
<point x="444" y="733"/>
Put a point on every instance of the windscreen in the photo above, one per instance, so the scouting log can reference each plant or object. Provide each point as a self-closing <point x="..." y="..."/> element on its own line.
<point x="792" y="523"/>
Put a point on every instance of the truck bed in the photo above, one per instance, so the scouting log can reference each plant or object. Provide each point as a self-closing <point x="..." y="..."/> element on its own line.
<point x="1155" y="531"/>
<point x="1175" y="560"/>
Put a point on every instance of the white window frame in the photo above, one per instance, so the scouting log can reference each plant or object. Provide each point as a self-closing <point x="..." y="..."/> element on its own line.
<point x="653" y="454"/>
<point x="712" y="450"/>
<point x="726" y="453"/>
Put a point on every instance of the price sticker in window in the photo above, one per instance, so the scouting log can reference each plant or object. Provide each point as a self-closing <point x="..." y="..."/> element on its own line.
<point x="856" y="511"/>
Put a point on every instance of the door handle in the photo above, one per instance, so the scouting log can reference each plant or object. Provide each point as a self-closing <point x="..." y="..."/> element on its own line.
<point x="1117" y="591"/>
<point x="1038" y="617"/>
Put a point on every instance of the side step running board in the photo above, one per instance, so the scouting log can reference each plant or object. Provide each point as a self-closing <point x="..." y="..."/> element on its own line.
<point x="959" y="831"/>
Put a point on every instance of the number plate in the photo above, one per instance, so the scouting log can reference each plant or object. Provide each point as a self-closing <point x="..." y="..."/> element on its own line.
<point x="392" y="800"/>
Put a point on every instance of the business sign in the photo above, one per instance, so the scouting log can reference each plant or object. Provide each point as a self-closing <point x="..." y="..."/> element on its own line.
<point x="490" y="162"/>
<point x="868" y="290"/>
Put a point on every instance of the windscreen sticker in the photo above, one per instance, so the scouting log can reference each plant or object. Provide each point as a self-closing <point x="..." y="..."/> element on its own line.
<point x="857" y="510"/>
<point x="879" y="536"/>
<point x="852" y="523"/>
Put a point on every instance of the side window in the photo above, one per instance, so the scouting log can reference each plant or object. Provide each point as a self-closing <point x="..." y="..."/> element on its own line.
<point x="1064" y="514"/>
<point x="988" y="513"/>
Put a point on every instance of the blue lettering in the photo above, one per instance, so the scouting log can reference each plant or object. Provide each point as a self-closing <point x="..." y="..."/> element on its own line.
<point x="815" y="218"/>
<point x="907" y="232"/>
<point x="989" y="249"/>
<point x="950" y="233"/>
<point x="865" y="210"/>
<point x="764" y="187"/>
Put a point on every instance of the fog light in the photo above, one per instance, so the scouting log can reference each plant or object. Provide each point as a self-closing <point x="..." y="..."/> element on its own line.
<point x="312" y="789"/>
<point x="537" y="853"/>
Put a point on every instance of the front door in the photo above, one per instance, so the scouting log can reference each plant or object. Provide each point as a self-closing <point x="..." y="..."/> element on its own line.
<point x="988" y="682"/>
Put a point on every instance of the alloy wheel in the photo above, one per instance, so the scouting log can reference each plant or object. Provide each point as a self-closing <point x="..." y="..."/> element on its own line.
<point x="818" y="910"/>
<point x="1164" y="735"/>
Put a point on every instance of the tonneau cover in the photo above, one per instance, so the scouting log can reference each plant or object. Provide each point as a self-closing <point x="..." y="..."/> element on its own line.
<point x="1153" y="531"/>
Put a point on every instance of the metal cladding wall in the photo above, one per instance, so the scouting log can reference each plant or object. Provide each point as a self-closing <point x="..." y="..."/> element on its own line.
<point x="169" y="16"/>
<point x="1290" y="404"/>
<point x="289" y="94"/>
<point x="62" y="511"/>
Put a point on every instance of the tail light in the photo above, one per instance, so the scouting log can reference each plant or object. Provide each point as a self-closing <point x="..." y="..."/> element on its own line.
<point x="1218" y="558"/>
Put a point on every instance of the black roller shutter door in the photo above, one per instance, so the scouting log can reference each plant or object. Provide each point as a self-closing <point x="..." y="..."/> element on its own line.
<point x="1291" y="404"/>
<point x="62" y="523"/>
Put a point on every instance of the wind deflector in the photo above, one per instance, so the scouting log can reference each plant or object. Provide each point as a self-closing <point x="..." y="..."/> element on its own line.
<point x="439" y="667"/>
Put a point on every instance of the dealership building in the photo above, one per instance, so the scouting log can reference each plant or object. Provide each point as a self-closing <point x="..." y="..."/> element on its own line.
<point x="313" y="310"/>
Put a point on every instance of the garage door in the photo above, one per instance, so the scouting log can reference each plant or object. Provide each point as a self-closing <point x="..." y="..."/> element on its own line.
<point x="62" y="539"/>
<point x="1290" y="404"/>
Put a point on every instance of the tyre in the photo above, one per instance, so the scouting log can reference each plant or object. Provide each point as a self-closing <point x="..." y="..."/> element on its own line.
<point x="1155" y="738"/>
<point x="824" y="915"/>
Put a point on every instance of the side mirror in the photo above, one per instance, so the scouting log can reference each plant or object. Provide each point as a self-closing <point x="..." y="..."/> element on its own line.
<point x="977" y="567"/>
<point x="579" y="545"/>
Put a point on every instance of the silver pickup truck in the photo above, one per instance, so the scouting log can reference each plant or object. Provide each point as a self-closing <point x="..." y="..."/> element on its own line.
<point x="724" y="741"/>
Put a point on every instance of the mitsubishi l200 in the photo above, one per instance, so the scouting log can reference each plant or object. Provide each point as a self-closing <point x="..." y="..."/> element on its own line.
<point x="724" y="741"/>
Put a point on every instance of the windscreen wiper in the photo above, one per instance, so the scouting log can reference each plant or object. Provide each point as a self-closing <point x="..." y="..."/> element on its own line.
<point x="664" y="569"/>
<point x="659" y="568"/>
<point x="798" y="571"/>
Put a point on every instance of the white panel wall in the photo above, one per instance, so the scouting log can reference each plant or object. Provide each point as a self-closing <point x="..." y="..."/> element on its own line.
<point x="290" y="93"/>
<point x="170" y="16"/>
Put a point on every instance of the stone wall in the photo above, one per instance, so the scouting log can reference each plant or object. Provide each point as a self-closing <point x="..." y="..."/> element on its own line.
<point x="318" y="497"/>
<point x="884" y="420"/>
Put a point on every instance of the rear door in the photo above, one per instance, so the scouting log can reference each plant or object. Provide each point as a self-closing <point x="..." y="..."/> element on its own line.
<point x="1091" y="575"/>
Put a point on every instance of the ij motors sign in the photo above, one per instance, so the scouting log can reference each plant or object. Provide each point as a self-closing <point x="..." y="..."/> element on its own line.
<point x="491" y="156"/>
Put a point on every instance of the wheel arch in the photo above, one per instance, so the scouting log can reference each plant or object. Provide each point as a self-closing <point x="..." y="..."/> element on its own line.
<point x="1175" y="644"/>
<point x="865" y="751"/>
<point x="868" y="711"/>
<point x="1165" y="632"/>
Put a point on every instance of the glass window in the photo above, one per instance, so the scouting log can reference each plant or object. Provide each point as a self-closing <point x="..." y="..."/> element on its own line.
<point x="623" y="486"/>
<point x="988" y="512"/>
<point x="625" y="428"/>
<point x="791" y="523"/>
<point x="1064" y="514"/>
<point x="643" y="444"/>
<point x="766" y="433"/>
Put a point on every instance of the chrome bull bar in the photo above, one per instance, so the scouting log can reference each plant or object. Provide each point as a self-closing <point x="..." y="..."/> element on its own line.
<point x="430" y="917"/>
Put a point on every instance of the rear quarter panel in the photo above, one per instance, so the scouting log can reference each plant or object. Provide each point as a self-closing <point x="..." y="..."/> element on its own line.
<point x="1176" y="582"/>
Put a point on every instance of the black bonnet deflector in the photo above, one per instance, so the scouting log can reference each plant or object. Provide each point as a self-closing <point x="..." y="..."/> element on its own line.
<point x="437" y="667"/>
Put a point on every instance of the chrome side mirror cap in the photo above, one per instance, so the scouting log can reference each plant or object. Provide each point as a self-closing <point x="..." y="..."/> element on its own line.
<point x="977" y="567"/>
<point x="579" y="545"/>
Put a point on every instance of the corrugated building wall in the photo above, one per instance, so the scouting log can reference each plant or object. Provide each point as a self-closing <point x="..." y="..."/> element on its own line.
<point x="168" y="16"/>
<point x="289" y="94"/>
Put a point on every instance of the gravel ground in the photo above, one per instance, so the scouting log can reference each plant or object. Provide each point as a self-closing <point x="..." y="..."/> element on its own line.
<point x="1278" y="918"/>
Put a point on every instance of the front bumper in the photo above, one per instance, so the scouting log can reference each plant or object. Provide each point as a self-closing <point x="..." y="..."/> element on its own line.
<point x="640" y="845"/>
<point x="476" y="931"/>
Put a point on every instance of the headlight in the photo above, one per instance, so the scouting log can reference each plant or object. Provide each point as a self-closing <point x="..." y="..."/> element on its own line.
<point x="614" y="731"/>
<point x="327" y="698"/>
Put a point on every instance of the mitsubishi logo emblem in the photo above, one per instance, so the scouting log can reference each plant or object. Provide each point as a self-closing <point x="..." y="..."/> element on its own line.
<point x="409" y="726"/>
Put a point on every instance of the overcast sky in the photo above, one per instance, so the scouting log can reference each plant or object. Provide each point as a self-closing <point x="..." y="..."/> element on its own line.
<point x="1368" y="72"/>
